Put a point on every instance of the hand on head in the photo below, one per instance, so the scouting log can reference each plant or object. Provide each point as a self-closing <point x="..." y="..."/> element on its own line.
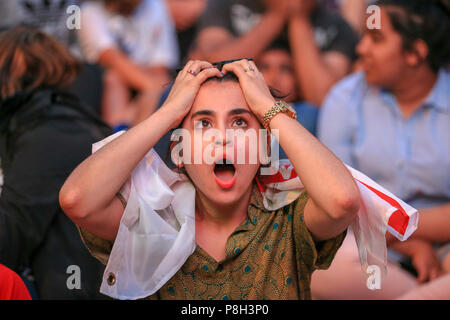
<point x="191" y="77"/>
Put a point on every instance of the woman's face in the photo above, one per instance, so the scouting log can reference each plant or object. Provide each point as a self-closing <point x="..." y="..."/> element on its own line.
<point x="222" y="106"/>
<point x="383" y="58"/>
<point x="277" y="67"/>
<point x="124" y="7"/>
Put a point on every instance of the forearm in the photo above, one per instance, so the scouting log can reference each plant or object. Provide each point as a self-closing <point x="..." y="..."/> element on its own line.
<point x="354" y="12"/>
<point x="132" y="74"/>
<point x="249" y="45"/>
<point x="95" y="182"/>
<point x="315" y="78"/>
<point x="327" y="180"/>
<point x="434" y="224"/>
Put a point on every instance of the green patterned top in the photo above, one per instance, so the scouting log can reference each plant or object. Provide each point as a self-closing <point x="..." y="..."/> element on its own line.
<point x="270" y="255"/>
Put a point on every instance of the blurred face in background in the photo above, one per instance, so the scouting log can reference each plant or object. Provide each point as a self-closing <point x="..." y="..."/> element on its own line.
<point x="382" y="56"/>
<point x="278" y="69"/>
<point x="123" y="7"/>
<point x="185" y="13"/>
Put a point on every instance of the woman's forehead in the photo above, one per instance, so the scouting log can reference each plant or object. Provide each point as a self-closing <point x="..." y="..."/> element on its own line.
<point x="220" y="97"/>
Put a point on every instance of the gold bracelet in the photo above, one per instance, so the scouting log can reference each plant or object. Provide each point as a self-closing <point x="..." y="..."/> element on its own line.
<point x="278" y="107"/>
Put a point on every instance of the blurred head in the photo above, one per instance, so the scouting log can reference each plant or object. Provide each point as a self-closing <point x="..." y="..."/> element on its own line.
<point x="185" y="13"/>
<point x="220" y="106"/>
<point x="277" y="66"/>
<point x="414" y="34"/>
<point x="30" y="58"/>
<point x="123" y="7"/>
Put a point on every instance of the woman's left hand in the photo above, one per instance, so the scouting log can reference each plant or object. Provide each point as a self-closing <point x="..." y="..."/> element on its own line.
<point x="255" y="89"/>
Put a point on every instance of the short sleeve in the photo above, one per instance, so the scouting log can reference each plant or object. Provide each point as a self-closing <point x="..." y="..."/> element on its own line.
<point x="99" y="248"/>
<point x="164" y="51"/>
<point x="94" y="36"/>
<point x="315" y="254"/>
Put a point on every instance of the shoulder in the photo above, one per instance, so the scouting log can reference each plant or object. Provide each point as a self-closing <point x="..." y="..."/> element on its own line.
<point x="350" y="89"/>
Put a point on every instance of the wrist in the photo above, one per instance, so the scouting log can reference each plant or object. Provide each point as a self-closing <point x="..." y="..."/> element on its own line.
<point x="169" y="116"/>
<point x="279" y="107"/>
<point x="264" y="108"/>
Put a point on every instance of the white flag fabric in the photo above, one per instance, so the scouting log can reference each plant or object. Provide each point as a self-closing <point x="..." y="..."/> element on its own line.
<point x="157" y="231"/>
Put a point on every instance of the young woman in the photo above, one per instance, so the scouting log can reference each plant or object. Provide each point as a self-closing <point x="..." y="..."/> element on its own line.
<point x="243" y="251"/>
<point x="392" y="123"/>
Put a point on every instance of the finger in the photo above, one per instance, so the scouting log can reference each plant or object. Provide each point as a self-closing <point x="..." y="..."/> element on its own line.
<point x="248" y="67"/>
<point x="257" y="72"/>
<point x="253" y="65"/>
<point x="435" y="273"/>
<point x="236" y="68"/>
<point x="187" y="66"/>
<point x="197" y="66"/>
<point x="421" y="275"/>
<point x="207" y="73"/>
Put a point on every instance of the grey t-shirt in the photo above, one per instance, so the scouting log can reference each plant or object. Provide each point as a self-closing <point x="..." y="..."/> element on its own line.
<point x="332" y="32"/>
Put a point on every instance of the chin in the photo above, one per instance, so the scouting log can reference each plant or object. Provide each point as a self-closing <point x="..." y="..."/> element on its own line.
<point x="225" y="196"/>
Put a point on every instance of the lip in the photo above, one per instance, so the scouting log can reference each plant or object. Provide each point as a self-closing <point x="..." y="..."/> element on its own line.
<point x="225" y="184"/>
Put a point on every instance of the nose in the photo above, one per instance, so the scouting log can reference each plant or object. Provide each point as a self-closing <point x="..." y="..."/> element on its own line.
<point x="363" y="46"/>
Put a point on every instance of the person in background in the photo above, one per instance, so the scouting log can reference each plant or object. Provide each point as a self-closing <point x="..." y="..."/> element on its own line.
<point x="185" y="15"/>
<point x="135" y="41"/>
<point x="322" y="43"/>
<point x="45" y="132"/>
<point x="48" y="15"/>
<point x="11" y="286"/>
<point x="392" y="123"/>
<point x="277" y="66"/>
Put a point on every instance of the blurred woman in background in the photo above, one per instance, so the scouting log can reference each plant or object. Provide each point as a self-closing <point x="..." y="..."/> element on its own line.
<point x="392" y="123"/>
<point x="44" y="133"/>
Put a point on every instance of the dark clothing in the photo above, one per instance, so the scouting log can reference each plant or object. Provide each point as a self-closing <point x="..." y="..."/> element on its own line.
<point x="44" y="135"/>
<point x="332" y="32"/>
<point x="186" y="39"/>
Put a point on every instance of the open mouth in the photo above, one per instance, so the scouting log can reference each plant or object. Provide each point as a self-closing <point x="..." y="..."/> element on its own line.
<point x="225" y="173"/>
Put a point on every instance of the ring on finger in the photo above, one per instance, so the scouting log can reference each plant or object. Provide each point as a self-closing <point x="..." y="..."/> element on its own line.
<point x="249" y="68"/>
<point x="192" y="72"/>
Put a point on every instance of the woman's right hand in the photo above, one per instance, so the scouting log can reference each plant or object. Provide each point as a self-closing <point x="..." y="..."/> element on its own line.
<point x="186" y="86"/>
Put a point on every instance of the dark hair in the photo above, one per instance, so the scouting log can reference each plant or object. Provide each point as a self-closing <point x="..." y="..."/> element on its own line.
<point x="428" y="20"/>
<point x="279" y="44"/>
<point x="30" y="58"/>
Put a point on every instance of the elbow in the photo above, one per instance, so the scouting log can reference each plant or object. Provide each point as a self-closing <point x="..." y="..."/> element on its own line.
<point x="70" y="202"/>
<point x="346" y="206"/>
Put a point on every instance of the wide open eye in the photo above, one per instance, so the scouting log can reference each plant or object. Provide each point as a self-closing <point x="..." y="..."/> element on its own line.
<point x="240" y="123"/>
<point x="202" y="124"/>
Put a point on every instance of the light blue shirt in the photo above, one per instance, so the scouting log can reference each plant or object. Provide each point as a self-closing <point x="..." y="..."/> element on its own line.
<point x="363" y="125"/>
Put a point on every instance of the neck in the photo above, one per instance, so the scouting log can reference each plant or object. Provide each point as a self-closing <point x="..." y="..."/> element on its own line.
<point x="413" y="89"/>
<point x="219" y="216"/>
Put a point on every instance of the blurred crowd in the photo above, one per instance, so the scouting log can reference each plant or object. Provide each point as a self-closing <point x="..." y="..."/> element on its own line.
<point x="377" y="95"/>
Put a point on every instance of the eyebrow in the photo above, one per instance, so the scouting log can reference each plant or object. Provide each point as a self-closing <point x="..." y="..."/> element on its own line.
<point x="212" y="113"/>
